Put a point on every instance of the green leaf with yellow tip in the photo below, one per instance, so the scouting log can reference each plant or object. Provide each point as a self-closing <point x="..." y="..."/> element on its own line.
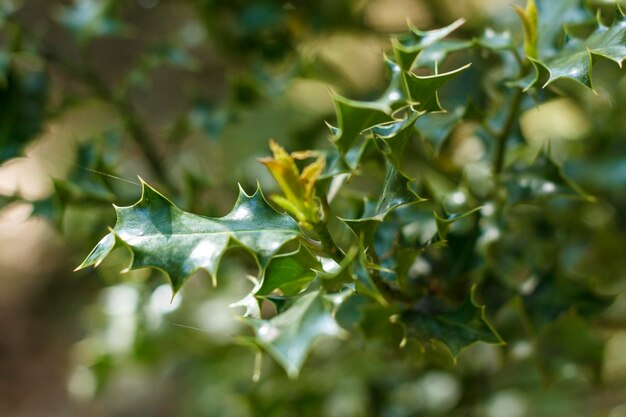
<point x="160" y="235"/>
<point x="530" y="21"/>
<point x="298" y="187"/>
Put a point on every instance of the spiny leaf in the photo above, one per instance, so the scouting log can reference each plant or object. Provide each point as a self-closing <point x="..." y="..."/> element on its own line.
<point x="435" y="54"/>
<point x="392" y="137"/>
<point x="290" y="273"/>
<point x="553" y="15"/>
<point x="353" y="117"/>
<point x="406" y="49"/>
<point x="162" y="236"/>
<point x="456" y="327"/>
<point x="288" y="336"/>
<point x="575" y="60"/>
<point x="396" y="193"/>
<point x="422" y="90"/>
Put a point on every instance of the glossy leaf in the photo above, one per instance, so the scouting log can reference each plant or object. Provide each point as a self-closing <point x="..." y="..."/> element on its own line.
<point x="396" y="193"/>
<point x="575" y="60"/>
<point x="290" y="273"/>
<point x="162" y="236"/>
<point x="289" y="336"/>
<point x="353" y="117"/>
<point x="422" y="90"/>
<point x="406" y="49"/>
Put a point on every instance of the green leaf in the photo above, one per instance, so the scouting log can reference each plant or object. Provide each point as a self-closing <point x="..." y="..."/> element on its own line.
<point x="288" y="336"/>
<point x="422" y="90"/>
<point x="553" y="15"/>
<point x="406" y="49"/>
<point x="392" y="137"/>
<point x="353" y="117"/>
<point x="396" y="193"/>
<point x="529" y="20"/>
<point x="435" y="54"/>
<point x="555" y="295"/>
<point x="569" y="340"/>
<point x="456" y="327"/>
<point x="290" y="273"/>
<point x="437" y="127"/>
<point x="575" y="60"/>
<point x="162" y="236"/>
<point x="543" y="179"/>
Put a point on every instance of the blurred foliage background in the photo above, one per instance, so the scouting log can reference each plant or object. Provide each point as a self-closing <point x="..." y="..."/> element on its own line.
<point x="186" y="94"/>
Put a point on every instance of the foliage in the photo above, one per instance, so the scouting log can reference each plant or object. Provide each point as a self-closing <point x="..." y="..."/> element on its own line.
<point x="431" y="219"/>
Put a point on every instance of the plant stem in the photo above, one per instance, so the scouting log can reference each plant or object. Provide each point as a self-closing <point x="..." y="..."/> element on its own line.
<point x="502" y="137"/>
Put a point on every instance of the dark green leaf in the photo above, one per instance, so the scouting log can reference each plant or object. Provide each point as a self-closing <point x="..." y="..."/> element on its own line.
<point x="422" y="90"/>
<point x="407" y="48"/>
<point x="162" y="236"/>
<point x="456" y="327"/>
<point x="575" y="60"/>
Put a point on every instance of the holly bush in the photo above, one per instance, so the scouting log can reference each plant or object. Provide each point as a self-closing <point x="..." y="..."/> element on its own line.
<point x="448" y="243"/>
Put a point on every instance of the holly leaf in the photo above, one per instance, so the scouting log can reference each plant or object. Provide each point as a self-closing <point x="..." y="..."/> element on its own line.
<point x="432" y="56"/>
<point x="288" y="336"/>
<point x="396" y="193"/>
<point x="456" y="327"/>
<point x="406" y="49"/>
<point x="392" y="137"/>
<point x="353" y="117"/>
<point x="422" y="90"/>
<point x="160" y="235"/>
<point x="575" y="60"/>
<point x="290" y="273"/>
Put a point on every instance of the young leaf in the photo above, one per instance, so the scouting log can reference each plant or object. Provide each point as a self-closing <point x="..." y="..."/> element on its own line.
<point x="162" y="236"/>
<point x="288" y="337"/>
<point x="529" y="20"/>
<point x="298" y="187"/>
